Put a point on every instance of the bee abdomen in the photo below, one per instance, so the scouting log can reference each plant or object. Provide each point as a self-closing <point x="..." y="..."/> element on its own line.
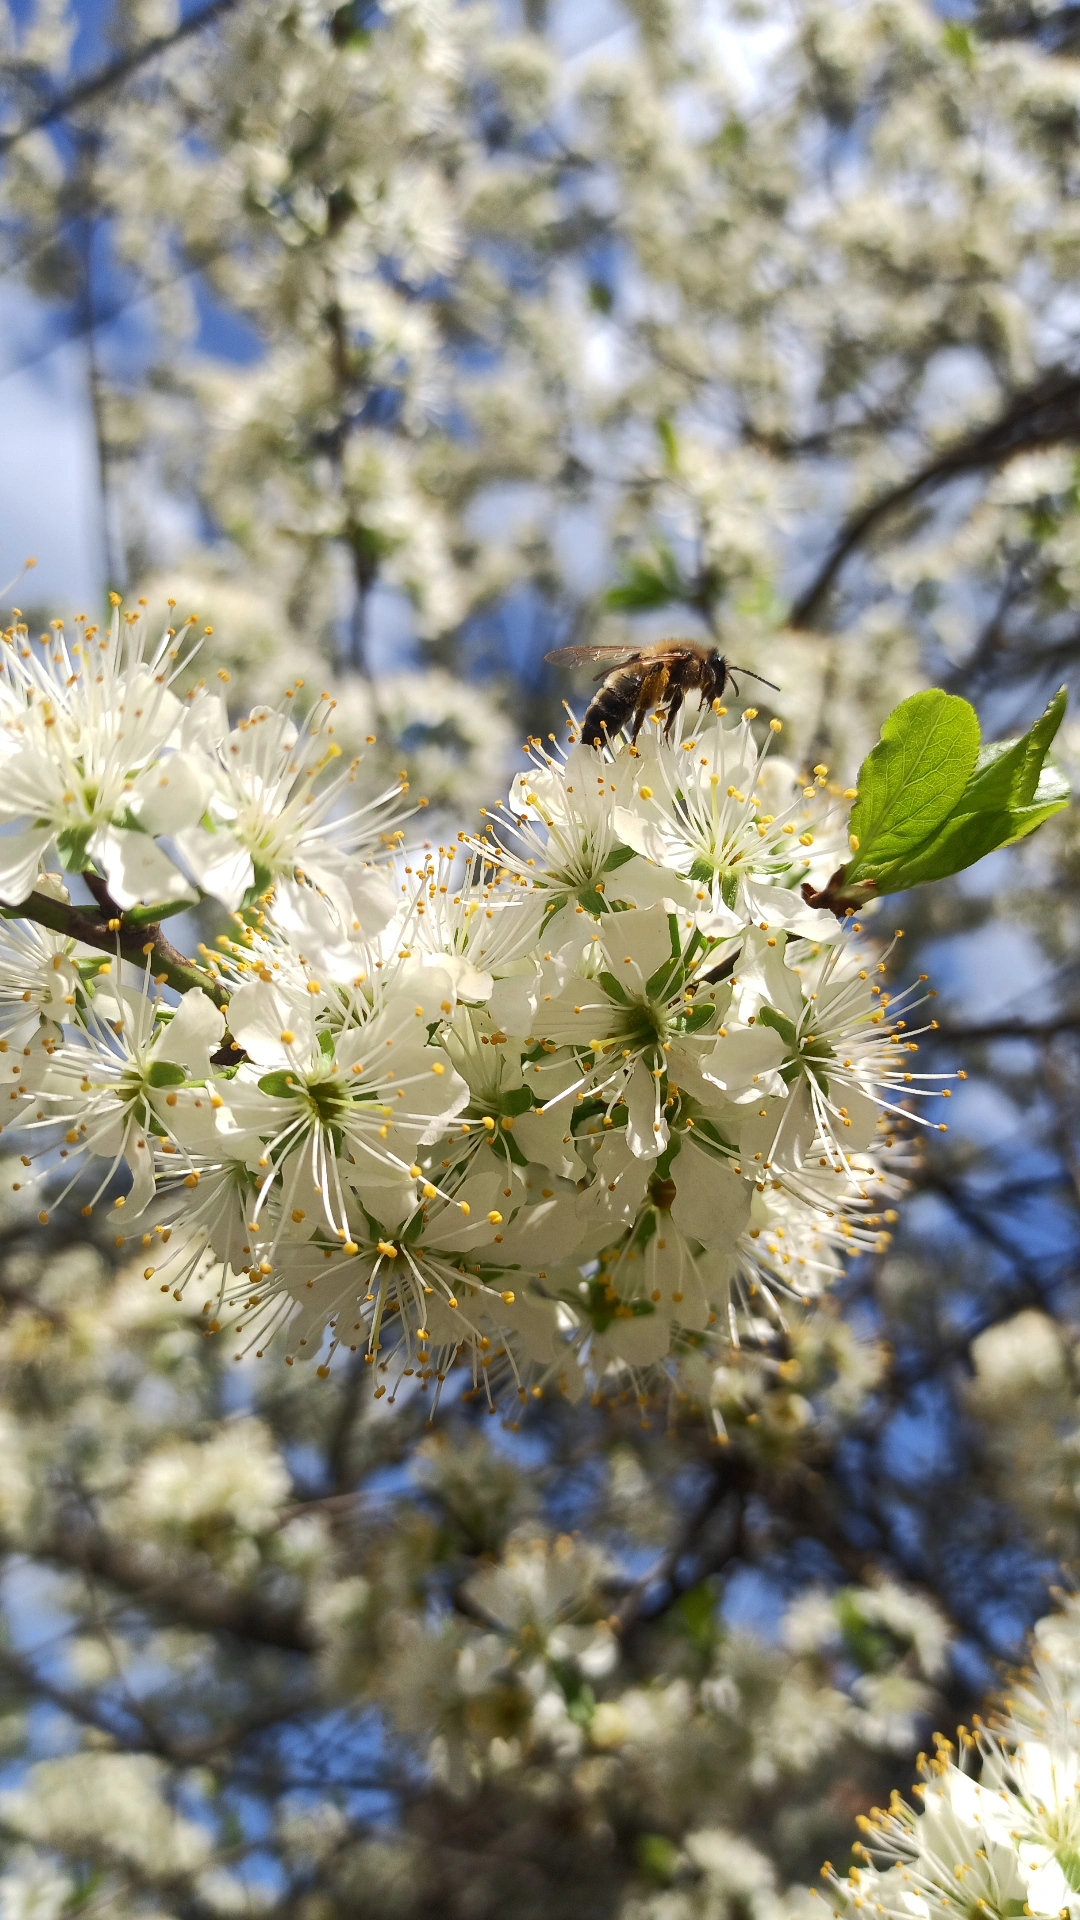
<point x="609" y="709"/>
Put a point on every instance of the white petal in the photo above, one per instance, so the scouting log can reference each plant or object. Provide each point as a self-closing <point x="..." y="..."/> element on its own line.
<point x="645" y="934"/>
<point x="744" y="1061"/>
<point x="482" y="1193"/>
<point x="711" y="1204"/>
<point x="371" y="895"/>
<point x="260" y="1013"/>
<point x="646" y="1128"/>
<point x="532" y="1319"/>
<point x="546" y="1137"/>
<point x="20" y="856"/>
<point x="171" y="794"/>
<point x="639" y="1340"/>
<point x="137" y="872"/>
<point x="192" y="1035"/>
<point x="140" y="1159"/>
<point x="861" y="1113"/>
<point x="785" y="907"/>
<point x="220" y="866"/>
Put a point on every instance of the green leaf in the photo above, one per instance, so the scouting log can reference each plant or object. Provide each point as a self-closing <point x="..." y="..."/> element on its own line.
<point x="698" y="1017"/>
<point x="911" y="781"/>
<point x="695" y="1612"/>
<point x="165" y="1073"/>
<point x="958" y="41"/>
<point x="1008" y="773"/>
<point x="1009" y="794"/>
<point x="665" y="433"/>
<point x="649" y="580"/>
<point x="657" y="1856"/>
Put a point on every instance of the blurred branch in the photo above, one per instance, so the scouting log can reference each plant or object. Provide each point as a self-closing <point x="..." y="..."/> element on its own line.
<point x="187" y="1750"/>
<point x="731" y="1483"/>
<point x="1009" y="1029"/>
<point x="206" y="1603"/>
<point x="1041" y="415"/>
<point x="1057" y="32"/>
<point x="113" y="74"/>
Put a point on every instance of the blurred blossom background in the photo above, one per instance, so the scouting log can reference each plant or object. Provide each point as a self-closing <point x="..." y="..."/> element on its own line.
<point x="402" y="343"/>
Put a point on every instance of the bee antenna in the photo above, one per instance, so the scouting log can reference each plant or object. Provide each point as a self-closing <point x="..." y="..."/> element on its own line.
<point x="756" y="676"/>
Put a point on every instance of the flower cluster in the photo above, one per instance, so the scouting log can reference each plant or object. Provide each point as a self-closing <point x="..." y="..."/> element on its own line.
<point x="580" y="1097"/>
<point x="1003" y="1842"/>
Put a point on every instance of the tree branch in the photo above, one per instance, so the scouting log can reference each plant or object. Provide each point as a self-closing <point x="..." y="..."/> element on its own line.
<point x="731" y="1480"/>
<point x="204" y="1603"/>
<point x="1009" y="1029"/>
<point x="1039" y="416"/>
<point x="136" y="943"/>
<point x="113" y="74"/>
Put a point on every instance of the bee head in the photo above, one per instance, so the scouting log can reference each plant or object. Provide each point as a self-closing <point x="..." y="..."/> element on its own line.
<point x="714" y="675"/>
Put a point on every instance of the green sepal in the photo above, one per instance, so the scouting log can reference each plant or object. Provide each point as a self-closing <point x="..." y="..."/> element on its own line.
<point x="592" y="901"/>
<point x="165" y="1073"/>
<point x="618" y="857"/>
<point x="1068" y="1860"/>
<point x="514" y="1152"/>
<point x="698" y="1017"/>
<point x="518" y="1100"/>
<point x="71" y="845"/>
<point x="91" y="965"/>
<point x="281" y="1083"/>
<point x="779" y="1022"/>
<point x="614" y="989"/>
<point x="149" y="916"/>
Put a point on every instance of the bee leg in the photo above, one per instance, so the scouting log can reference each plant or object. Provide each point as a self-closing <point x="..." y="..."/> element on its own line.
<point x="673" y="708"/>
<point x="651" y="690"/>
<point x="640" y="712"/>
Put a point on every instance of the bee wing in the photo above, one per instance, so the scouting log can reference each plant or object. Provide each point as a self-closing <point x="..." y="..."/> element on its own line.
<point x="579" y="656"/>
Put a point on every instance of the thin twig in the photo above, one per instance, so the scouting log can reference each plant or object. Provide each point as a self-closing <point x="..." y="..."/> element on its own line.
<point x="1042" y="415"/>
<point x="1008" y="1029"/>
<point x="114" y="73"/>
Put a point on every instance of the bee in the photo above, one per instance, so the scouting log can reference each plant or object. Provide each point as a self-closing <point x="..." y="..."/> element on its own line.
<point x="636" y="679"/>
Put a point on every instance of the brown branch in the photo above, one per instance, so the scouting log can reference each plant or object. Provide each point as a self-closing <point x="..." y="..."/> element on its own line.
<point x="190" y="1750"/>
<point x="732" y="1480"/>
<point x="114" y="73"/>
<point x="202" y="1602"/>
<point x="137" y="943"/>
<point x="1041" y="415"/>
